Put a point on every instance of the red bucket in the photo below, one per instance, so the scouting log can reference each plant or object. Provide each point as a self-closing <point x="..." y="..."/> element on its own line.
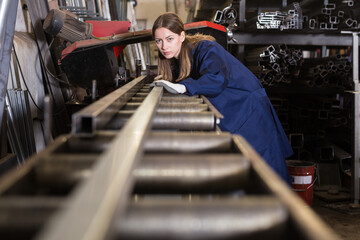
<point x="302" y="178"/>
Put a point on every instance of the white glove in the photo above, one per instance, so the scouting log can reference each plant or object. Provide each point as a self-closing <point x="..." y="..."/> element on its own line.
<point x="171" y="87"/>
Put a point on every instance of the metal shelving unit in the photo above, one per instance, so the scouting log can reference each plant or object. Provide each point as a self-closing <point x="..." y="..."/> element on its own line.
<point x="292" y="38"/>
<point x="313" y="38"/>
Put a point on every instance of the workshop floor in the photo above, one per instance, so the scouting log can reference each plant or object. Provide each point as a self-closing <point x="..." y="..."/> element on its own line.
<point x="340" y="216"/>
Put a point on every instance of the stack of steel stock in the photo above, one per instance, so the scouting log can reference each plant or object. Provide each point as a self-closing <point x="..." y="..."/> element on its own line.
<point x="334" y="16"/>
<point x="19" y="124"/>
<point x="277" y="64"/>
<point x="318" y="126"/>
<point x="292" y="19"/>
<point x="330" y="72"/>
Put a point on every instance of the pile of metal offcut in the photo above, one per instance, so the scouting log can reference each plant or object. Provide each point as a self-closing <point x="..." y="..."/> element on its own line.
<point x="278" y="63"/>
<point x="339" y="14"/>
<point x="333" y="71"/>
<point x="335" y="16"/>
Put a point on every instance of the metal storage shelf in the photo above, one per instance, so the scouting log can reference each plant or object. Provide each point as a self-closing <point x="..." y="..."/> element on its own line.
<point x="320" y="39"/>
<point x="246" y="35"/>
<point x="291" y="38"/>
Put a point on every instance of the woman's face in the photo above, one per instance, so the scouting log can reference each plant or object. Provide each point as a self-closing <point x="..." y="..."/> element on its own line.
<point x="168" y="42"/>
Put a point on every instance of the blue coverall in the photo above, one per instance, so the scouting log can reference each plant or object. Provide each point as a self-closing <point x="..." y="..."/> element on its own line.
<point x="241" y="99"/>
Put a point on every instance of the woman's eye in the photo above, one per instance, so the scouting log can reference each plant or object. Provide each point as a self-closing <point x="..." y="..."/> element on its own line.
<point x="157" y="41"/>
<point x="170" y="38"/>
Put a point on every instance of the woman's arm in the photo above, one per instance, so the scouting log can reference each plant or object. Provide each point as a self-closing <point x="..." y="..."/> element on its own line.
<point x="209" y="64"/>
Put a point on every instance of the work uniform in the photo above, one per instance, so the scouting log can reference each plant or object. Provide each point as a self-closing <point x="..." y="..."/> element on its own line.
<point x="241" y="99"/>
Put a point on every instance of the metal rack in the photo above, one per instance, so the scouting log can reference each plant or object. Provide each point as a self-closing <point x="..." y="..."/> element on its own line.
<point x="310" y="38"/>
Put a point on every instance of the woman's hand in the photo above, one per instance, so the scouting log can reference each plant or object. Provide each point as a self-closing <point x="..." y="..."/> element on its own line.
<point x="174" y="88"/>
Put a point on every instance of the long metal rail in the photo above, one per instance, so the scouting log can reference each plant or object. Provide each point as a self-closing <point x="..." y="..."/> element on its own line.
<point x="137" y="181"/>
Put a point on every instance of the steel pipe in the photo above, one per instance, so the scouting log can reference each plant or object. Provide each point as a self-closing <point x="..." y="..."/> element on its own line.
<point x="188" y="142"/>
<point x="172" y="98"/>
<point x="172" y="107"/>
<point x="189" y="173"/>
<point x="177" y="98"/>
<point x="224" y="218"/>
<point x="185" y="121"/>
<point x="173" y="120"/>
<point x="182" y="107"/>
<point x="202" y="173"/>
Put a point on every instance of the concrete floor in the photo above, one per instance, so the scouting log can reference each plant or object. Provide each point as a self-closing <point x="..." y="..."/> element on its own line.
<point x="343" y="219"/>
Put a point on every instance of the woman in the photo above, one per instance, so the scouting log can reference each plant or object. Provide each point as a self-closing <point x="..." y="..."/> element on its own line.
<point x="198" y="65"/>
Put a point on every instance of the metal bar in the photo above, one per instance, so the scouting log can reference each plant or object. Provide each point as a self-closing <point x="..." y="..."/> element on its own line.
<point x="242" y="14"/>
<point x="29" y="121"/>
<point x="4" y="9"/>
<point x="96" y="115"/>
<point x="13" y="133"/>
<point x="111" y="179"/>
<point x="22" y="126"/>
<point x="48" y="123"/>
<point x="355" y="37"/>
<point x="355" y="174"/>
<point x="8" y="9"/>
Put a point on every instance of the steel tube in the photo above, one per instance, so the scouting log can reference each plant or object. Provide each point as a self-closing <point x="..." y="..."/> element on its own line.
<point x="174" y="98"/>
<point x="4" y="10"/>
<point x="187" y="100"/>
<point x="185" y="121"/>
<point x="8" y="11"/>
<point x="170" y="120"/>
<point x="188" y="142"/>
<point x="172" y="107"/>
<point x="182" y="107"/>
<point x="248" y="217"/>
<point x="204" y="173"/>
<point x="189" y="173"/>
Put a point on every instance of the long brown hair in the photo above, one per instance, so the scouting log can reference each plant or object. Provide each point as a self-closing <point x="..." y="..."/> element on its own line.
<point x="172" y="22"/>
